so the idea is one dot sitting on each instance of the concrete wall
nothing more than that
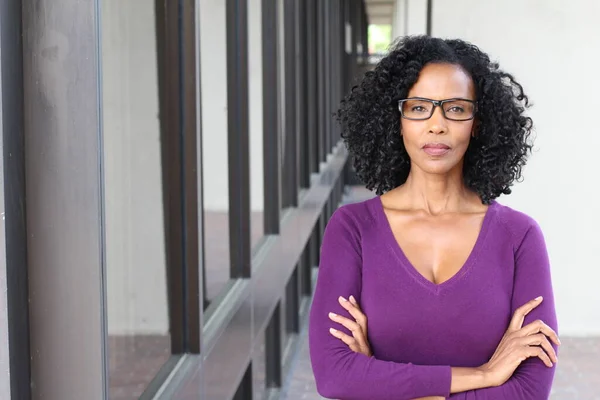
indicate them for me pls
(550, 48)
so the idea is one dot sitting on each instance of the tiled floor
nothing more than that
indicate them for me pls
(133, 363)
(577, 375)
(135, 360)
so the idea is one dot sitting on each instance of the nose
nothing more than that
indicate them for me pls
(438, 123)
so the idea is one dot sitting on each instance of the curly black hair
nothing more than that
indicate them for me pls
(370, 119)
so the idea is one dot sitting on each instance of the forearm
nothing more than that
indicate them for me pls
(532, 381)
(464, 379)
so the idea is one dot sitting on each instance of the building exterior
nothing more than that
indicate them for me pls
(168, 168)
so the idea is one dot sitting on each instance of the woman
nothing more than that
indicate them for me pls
(455, 286)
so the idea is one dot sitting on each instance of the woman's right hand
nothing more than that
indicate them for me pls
(519, 343)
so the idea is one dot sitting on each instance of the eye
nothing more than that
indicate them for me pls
(418, 109)
(456, 110)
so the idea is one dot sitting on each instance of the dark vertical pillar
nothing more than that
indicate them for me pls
(238, 132)
(302, 90)
(312, 48)
(322, 79)
(13, 237)
(270, 116)
(429, 12)
(274, 354)
(290, 181)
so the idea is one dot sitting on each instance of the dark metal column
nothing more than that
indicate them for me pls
(14, 332)
(290, 176)
(238, 132)
(270, 118)
(322, 79)
(311, 84)
(302, 89)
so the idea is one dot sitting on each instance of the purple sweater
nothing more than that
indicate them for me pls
(418, 329)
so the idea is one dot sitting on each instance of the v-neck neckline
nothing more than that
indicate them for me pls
(395, 247)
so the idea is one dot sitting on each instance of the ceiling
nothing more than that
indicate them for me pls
(380, 12)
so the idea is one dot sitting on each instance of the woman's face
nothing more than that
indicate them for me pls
(437, 145)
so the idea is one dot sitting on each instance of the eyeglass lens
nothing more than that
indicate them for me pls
(422, 109)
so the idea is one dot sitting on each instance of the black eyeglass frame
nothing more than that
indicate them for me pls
(437, 103)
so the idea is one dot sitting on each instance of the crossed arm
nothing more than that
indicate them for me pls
(518, 344)
(520, 369)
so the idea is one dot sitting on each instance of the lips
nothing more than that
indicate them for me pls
(436, 149)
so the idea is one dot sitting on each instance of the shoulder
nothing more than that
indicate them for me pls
(354, 218)
(360, 214)
(517, 224)
(346, 230)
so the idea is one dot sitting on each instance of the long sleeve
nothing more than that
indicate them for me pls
(339, 372)
(533, 379)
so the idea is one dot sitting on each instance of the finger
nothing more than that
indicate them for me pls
(516, 322)
(355, 348)
(347, 339)
(541, 340)
(355, 312)
(352, 326)
(354, 302)
(539, 326)
(349, 324)
(538, 352)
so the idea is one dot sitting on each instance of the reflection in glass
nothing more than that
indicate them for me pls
(136, 279)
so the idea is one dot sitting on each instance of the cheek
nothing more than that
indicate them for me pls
(410, 131)
(462, 134)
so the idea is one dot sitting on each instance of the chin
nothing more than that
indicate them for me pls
(438, 167)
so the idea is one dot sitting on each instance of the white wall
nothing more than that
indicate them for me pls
(213, 65)
(416, 23)
(410, 18)
(213, 73)
(135, 248)
(551, 48)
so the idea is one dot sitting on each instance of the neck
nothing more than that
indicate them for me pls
(437, 194)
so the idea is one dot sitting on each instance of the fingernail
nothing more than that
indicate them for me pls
(352, 299)
(539, 298)
(332, 315)
(331, 330)
(343, 299)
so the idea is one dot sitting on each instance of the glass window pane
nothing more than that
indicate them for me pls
(138, 315)
(215, 166)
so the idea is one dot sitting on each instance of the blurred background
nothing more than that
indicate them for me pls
(168, 168)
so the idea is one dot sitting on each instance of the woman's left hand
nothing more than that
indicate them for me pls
(358, 341)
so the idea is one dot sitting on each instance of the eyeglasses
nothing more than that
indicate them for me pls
(419, 109)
